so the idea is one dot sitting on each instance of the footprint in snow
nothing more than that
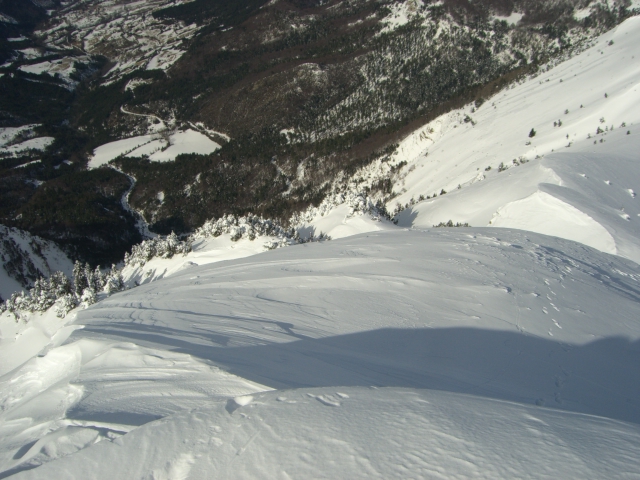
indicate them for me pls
(328, 400)
(235, 403)
(285, 400)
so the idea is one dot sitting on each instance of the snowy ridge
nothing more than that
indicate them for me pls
(446, 311)
(344, 213)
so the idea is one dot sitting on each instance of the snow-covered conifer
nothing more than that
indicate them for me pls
(80, 281)
(65, 304)
(113, 281)
(88, 297)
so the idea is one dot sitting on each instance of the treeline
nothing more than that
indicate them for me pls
(65, 293)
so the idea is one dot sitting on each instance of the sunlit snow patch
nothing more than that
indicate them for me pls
(512, 19)
(544, 213)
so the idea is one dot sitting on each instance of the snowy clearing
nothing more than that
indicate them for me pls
(511, 19)
(188, 141)
(10, 135)
(63, 67)
(105, 153)
(155, 147)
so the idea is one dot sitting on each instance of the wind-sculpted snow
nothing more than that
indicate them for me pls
(456, 324)
(362, 433)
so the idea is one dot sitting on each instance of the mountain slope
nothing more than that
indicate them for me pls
(576, 178)
(326, 87)
(25, 258)
(487, 351)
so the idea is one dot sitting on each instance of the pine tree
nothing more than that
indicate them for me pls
(113, 281)
(98, 280)
(80, 281)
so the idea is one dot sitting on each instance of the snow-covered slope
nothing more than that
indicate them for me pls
(528, 334)
(577, 184)
(471, 352)
(26, 257)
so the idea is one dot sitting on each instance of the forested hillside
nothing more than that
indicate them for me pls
(299, 94)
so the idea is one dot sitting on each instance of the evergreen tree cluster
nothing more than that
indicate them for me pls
(65, 294)
(450, 224)
(252, 227)
(159, 247)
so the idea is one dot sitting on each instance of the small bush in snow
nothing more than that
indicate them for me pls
(450, 224)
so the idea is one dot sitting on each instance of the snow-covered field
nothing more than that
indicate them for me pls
(577, 184)
(62, 68)
(17, 140)
(155, 147)
(9, 135)
(39, 143)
